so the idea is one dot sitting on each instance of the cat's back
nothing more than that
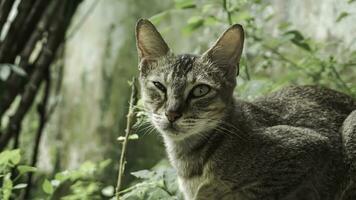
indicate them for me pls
(312, 107)
(325, 97)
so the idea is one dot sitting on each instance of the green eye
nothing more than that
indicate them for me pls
(159, 86)
(200, 90)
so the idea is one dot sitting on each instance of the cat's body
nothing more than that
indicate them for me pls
(291, 145)
(287, 144)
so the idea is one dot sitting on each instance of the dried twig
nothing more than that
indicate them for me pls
(131, 117)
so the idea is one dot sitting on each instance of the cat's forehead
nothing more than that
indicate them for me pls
(182, 68)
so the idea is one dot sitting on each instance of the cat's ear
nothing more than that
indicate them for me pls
(150, 44)
(227, 49)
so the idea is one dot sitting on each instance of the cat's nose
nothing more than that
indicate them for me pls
(172, 116)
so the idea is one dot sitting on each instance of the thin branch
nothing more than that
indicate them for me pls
(5, 9)
(284, 58)
(30, 23)
(338, 77)
(15, 83)
(228, 12)
(42, 64)
(131, 117)
(43, 118)
(7, 53)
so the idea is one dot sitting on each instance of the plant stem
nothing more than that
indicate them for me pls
(131, 117)
(226, 9)
(338, 77)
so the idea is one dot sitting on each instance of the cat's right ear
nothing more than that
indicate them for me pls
(227, 49)
(149, 42)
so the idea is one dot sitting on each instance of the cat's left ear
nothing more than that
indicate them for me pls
(227, 49)
(150, 44)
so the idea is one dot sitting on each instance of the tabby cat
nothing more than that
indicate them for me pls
(294, 144)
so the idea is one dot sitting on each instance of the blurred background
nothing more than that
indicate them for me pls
(65, 67)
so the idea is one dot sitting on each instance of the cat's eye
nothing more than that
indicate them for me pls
(159, 86)
(200, 90)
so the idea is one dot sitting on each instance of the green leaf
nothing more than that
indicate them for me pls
(7, 187)
(131, 137)
(104, 164)
(298, 39)
(18, 70)
(25, 169)
(184, 4)
(5, 72)
(10, 157)
(20, 186)
(156, 19)
(211, 20)
(108, 191)
(208, 7)
(47, 187)
(351, 1)
(16, 156)
(158, 193)
(193, 23)
(342, 16)
(284, 25)
(297, 35)
(144, 174)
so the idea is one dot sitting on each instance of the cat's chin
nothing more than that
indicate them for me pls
(174, 133)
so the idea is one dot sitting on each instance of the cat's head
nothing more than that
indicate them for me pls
(187, 94)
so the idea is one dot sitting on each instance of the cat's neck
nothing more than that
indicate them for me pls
(189, 155)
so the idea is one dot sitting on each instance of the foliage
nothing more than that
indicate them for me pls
(272, 60)
(78, 184)
(11, 172)
(157, 183)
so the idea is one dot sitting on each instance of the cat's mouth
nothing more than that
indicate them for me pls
(172, 128)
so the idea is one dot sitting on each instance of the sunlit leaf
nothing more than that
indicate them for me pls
(208, 7)
(47, 187)
(108, 191)
(193, 23)
(184, 4)
(5, 72)
(25, 169)
(156, 19)
(10, 157)
(104, 163)
(144, 174)
(131, 137)
(211, 20)
(7, 187)
(18, 70)
(20, 186)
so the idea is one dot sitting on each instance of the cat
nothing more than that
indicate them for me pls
(292, 144)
